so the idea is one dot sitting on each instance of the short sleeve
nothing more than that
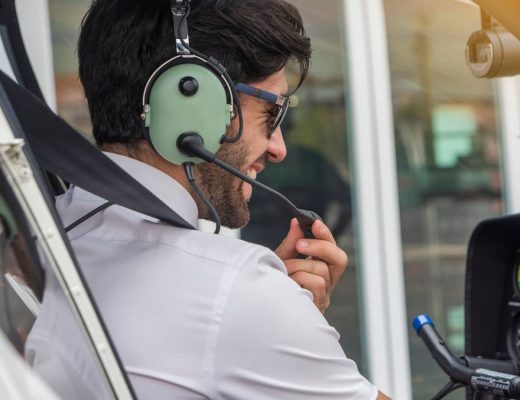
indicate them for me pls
(275, 344)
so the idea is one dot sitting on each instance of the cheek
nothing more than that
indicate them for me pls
(233, 128)
(255, 129)
(256, 143)
(254, 140)
(254, 121)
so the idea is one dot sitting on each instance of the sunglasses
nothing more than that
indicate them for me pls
(278, 112)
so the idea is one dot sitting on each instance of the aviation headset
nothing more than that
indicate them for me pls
(190, 94)
(188, 104)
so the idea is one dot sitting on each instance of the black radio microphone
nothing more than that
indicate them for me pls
(192, 144)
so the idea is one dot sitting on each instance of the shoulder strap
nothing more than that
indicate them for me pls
(62, 151)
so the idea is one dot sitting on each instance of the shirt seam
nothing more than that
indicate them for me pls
(223, 262)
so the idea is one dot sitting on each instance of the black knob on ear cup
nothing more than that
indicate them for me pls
(188, 86)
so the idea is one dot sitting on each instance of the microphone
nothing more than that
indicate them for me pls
(192, 145)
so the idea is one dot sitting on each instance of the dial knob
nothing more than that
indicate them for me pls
(188, 86)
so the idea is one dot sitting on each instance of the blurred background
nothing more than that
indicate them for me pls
(393, 142)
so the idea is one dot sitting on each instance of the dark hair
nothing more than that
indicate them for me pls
(123, 41)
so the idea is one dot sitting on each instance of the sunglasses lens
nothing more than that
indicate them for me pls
(282, 112)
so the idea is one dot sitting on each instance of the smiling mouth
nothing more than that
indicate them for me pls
(252, 173)
(246, 187)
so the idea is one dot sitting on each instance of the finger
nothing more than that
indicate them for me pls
(310, 266)
(322, 250)
(287, 249)
(322, 231)
(316, 285)
(333, 256)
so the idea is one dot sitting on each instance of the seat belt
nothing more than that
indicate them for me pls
(62, 151)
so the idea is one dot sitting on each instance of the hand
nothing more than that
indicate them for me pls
(325, 263)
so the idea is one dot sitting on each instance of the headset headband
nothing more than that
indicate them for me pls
(180, 11)
(189, 58)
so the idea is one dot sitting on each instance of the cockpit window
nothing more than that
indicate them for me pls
(28, 290)
(21, 276)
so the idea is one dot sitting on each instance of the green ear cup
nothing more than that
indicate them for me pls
(171, 113)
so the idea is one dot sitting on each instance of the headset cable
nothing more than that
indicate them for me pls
(188, 169)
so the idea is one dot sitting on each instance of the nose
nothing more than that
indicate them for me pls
(276, 149)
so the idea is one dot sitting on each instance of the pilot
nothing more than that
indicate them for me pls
(195, 315)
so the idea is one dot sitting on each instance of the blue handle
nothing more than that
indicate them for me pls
(420, 321)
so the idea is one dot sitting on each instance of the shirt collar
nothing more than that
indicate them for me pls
(167, 189)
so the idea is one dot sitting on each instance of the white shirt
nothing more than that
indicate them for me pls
(193, 315)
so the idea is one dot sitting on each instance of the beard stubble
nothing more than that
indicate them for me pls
(224, 190)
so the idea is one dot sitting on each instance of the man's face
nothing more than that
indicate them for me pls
(228, 194)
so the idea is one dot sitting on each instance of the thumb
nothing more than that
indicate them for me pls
(287, 248)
